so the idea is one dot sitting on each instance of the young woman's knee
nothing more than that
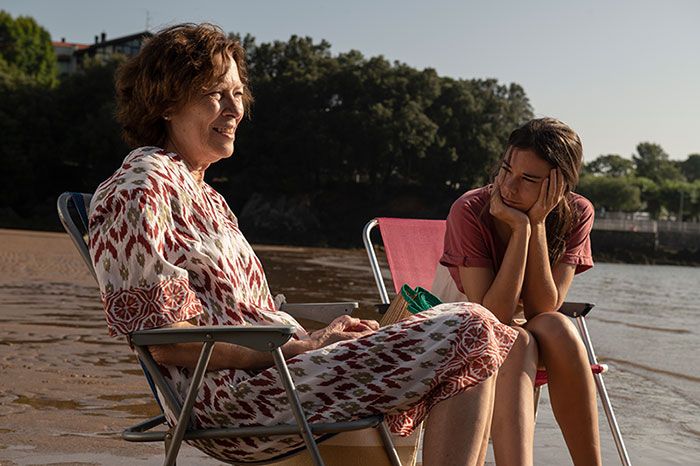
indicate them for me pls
(553, 328)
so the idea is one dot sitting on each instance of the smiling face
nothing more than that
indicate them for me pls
(202, 131)
(521, 175)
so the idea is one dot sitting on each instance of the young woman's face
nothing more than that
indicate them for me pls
(521, 176)
(203, 130)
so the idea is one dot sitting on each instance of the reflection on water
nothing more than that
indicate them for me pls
(43, 403)
(645, 326)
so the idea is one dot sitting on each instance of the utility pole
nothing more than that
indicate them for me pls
(680, 210)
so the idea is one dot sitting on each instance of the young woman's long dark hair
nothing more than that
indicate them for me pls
(558, 144)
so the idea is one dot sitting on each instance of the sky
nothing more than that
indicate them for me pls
(618, 72)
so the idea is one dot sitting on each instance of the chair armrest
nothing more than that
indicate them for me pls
(256, 337)
(320, 312)
(576, 309)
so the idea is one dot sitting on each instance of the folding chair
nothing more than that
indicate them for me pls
(72, 210)
(413, 248)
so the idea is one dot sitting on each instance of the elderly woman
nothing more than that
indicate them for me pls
(168, 252)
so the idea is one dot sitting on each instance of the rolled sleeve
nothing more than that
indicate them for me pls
(134, 247)
(578, 244)
(465, 245)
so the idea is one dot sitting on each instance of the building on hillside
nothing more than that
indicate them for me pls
(71, 56)
(103, 49)
(65, 55)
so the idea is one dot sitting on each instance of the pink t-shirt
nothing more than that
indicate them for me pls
(471, 239)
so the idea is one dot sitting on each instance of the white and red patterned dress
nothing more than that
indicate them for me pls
(168, 249)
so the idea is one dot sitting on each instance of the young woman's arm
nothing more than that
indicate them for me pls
(544, 288)
(500, 292)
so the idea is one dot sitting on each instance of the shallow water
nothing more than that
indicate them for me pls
(646, 328)
(57, 361)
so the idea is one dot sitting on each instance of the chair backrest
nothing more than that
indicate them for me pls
(73, 212)
(413, 249)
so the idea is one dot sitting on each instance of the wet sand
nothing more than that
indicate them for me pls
(67, 389)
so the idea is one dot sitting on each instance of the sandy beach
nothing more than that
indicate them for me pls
(67, 389)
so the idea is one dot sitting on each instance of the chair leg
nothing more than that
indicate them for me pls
(391, 452)
(184, 419)
(168, 442)
(297, 409)
(612, 421)
(603, 393)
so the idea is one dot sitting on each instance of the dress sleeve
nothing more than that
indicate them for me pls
(134, 246)
(578, 244)
(465, 244)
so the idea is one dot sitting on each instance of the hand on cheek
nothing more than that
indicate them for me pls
(512, 217)
(551, 193)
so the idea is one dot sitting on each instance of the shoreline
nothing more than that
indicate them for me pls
(683, 258)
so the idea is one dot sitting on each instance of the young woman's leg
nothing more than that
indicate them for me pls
(456, 428)
(513, 426)
(571, 386)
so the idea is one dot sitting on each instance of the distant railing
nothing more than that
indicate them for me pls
(645, 226)
(683, 227)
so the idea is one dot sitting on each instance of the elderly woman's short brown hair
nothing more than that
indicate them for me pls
(171, 68)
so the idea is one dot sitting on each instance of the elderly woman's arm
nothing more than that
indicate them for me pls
(229, 356)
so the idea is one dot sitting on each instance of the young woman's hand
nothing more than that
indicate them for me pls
(512, 217)
(343, 328)
(551, 193)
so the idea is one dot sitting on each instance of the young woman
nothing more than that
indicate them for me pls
(514, 246)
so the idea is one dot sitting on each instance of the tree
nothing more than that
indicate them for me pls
(610, 165)
(649, 191)
(652, 162)
(325, 120)
(25, 47)
(690, 167)
(674, 195)
(55, 138)
(474, 119)
(615, 194)
(323, 129)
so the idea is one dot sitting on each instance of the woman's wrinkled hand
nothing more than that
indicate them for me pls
(512, 217)
(341, 329)
(551, 194)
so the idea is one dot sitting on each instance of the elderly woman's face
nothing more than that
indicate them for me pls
(203, 130)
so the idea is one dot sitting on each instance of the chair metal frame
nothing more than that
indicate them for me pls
(576, 311)
(72, 210)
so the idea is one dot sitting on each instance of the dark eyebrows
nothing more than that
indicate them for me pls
(525, 175)
(532, 177)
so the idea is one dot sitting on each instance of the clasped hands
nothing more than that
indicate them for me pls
(343, 328)
(551, 193)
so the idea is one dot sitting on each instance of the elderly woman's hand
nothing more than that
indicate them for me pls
(342, 328)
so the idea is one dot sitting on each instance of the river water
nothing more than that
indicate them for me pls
(645, 326)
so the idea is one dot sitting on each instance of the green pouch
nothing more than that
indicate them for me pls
(419, 299)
